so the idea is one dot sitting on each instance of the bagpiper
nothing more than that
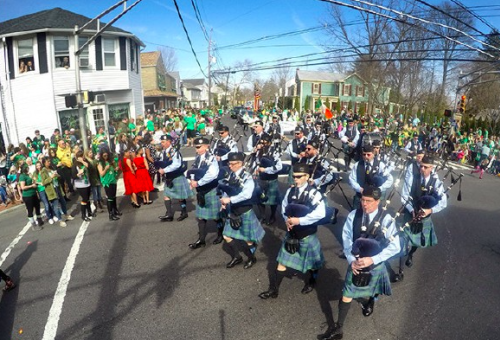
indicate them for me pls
(303, 209)
(241, 224)
(223, 145)
(349, 137)
(369, 239)
(172, 168)
(203, 178)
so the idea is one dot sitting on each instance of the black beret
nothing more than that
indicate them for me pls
(371, 191)
(201, 141)
(368, 148)
(427, 160)
(258, 122)
(301, 167)
(236, 156)
(376, 142)
(266, 137)
(362, 127)
(420, 151)
(314, 143)
(349, 120)
(224, 128)
(299, 129)
(318, 123)
(166, 137)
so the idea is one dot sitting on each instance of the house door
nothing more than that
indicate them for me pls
(96, 117)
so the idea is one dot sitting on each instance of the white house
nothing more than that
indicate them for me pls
(37, 54)
(195, 92)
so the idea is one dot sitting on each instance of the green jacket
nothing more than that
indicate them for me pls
(48, 183)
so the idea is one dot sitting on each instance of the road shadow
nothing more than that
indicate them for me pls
(9, 299)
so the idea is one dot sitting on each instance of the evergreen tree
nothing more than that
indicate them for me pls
(307, 103)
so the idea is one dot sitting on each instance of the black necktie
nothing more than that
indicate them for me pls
(368, 168)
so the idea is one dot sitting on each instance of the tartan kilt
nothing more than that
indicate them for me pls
(379, 283)
(250, 230)
(309, 256)
(181, 189)
(427, 230)
(212, 206)
(272, 191)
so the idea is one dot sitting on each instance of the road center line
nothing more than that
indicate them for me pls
(13, 243)
(57, 304)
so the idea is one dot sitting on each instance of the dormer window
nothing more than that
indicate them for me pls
(25, 55)
(61, 52)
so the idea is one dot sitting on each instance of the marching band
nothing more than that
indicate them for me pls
(229, 183)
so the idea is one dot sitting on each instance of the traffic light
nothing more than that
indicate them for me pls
(461, 107)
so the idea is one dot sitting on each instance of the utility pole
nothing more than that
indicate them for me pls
(78, 50)
(209, 69)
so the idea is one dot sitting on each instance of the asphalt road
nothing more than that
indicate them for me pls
(137, 279)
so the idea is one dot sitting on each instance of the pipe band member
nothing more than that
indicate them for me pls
(258, 131)
(349, 137)
(303, 207)
(369, 171)
(427, 193)
(223, 146)
(176, 185)
(322, 176)
(241, 225)
(369, 238)
(203, 177)
(268, 166)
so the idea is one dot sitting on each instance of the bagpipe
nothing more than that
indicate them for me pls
(233, 188)
(428, 201)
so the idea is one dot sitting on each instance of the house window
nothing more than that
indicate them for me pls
(98, 115)
(133, 57)
(84, 54)
(118, 111)
(316, 88)
(61, 52)
(69, 119)
(25, 55)
(347, 90)
(108, 48)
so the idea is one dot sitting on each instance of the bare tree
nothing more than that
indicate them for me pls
(281, 76)
(241, 74)
(169, 58)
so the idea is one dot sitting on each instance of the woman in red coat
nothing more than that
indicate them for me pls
(143, 181)
(129, 179)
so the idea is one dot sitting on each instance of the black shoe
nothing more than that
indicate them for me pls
(166, 218)
(198, 244)
(182, 217)
(409, 261)
(66, 199)
(398, 277)
(334, 219)
(250, 263)
(218, 239)
(368, 307)
(155, 190)
(113, 217)
(136, 205)
(271, 221)
(271, 293)
(234, 261)
(333, 332)
(308, 287)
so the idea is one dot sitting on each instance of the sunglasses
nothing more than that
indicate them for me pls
(198, 146)
(425, 166)
(298, 176)
(367, 154)
(297, 133)
(221, 133)
(309, 149)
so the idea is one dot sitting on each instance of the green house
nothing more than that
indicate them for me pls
(350, 90)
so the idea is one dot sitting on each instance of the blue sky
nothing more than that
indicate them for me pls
(156, 22)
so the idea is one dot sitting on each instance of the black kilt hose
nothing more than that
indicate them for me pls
(428, 234)
(379, 283)
(309, 256)
(212, 206)
(272, 191)
(250, 231)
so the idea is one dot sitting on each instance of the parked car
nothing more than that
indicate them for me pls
(236, 111)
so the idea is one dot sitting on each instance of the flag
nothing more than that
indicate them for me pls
(318, 104)
(328, 113)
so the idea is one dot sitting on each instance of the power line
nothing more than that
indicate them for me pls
(188, 38)
(198, 17)
(458, 3)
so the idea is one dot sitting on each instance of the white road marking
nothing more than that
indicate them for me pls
(14, 242)
(57, 304)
